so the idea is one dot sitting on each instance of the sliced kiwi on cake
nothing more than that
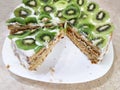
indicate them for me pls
(73, 21)
(22, 12)
(61, 4)
(31, 3)
(91, 7)
(19, 34)
(59, 14)
(86, 30)
(45, 36)
(26, 44)
(101, 16)
(84, 16)
(45, 1)
(104, 29)
(71, 11)
(48, 8)
(100, 41)
(37, 49)
(31, 20)
(34, 31)
(44, 17)
(17, 20)
(80, 2)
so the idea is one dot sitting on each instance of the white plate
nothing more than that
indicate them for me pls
(66, 64)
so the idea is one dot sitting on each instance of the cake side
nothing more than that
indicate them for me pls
(85, 46)
(32, 46)
(38, 58)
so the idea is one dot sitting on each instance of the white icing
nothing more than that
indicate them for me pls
(55, 20)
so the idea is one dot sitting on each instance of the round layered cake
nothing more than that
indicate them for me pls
(37, 25)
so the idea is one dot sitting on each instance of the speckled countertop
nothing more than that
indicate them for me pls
(111, 81)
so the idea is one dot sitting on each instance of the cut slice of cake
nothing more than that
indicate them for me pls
(37, 25)
(32, 46)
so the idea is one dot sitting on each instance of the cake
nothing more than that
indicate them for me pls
(37, 25)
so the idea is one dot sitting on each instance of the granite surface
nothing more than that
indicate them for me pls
(110, 81)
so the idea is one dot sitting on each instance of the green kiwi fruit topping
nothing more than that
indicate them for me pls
(71, 11)
(34, 31)
(44, 17)
(53, 27)
(81, 2)
(26, 44)
(61, 4)
(45, 36)
(18, 20)
(104, 29)
(84, 15)
(48, 8)
(92, 7)
(59, 14)
(22, 12)
(45, 1)
(31, 3)
(102, 16)
(38, 48)
(86, 29)
(100, 41)
(20, 34)
(56, 0)
(29, 20)
(73, 21)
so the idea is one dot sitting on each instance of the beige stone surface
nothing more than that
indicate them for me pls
(111, 81)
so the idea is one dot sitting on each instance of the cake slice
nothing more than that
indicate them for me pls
(32, 46)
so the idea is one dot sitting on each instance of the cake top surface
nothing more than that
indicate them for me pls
(86, 17)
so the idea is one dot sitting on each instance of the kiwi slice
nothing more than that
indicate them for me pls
(84, 15)
(61, 4)
(22, 12)
(45, 1)
(86, 29)
(38, 48)
(31, 3)
(48, 8)
(59, 14)
(52, 27)
(26, 44)
(20, 34)
(45, 36)
(69, 1)
(73, 21)
(44, 17)
(18, 20)
(100, 41)
(71, 11)
(34, 31)
(92, 7)
(104, 29)
(101, 16)
(29, 20)
(80, 2)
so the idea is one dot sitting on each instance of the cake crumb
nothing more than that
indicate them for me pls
(52, 69)
(8, 66)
